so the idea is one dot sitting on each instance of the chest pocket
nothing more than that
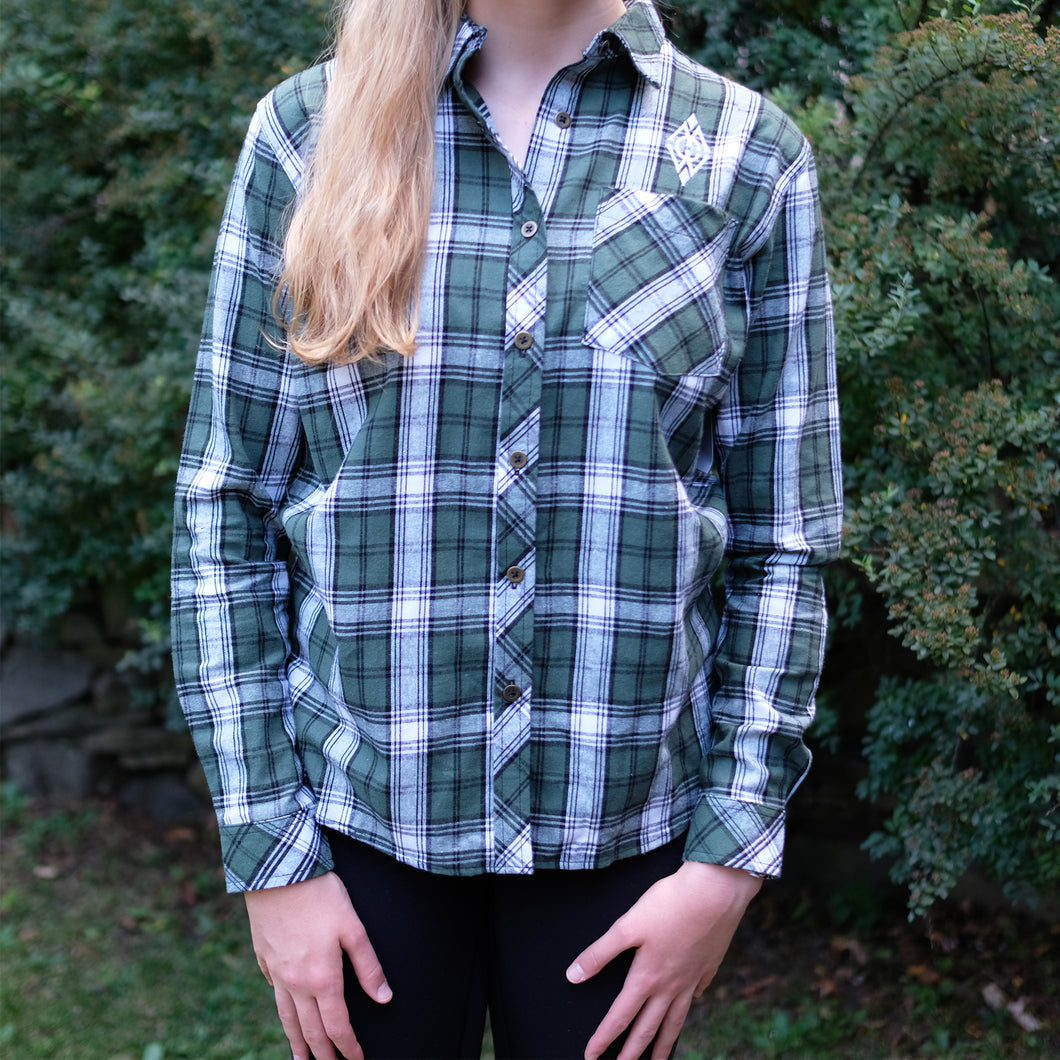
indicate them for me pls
(655, 289)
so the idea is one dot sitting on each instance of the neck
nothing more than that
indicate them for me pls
(529, 40)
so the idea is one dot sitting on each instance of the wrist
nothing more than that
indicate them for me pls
(705, 874)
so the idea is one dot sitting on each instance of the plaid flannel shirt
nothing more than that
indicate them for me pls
(459, 605)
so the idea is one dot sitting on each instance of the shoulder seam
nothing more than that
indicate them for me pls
(288, 116)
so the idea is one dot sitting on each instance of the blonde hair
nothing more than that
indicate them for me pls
(356, 245)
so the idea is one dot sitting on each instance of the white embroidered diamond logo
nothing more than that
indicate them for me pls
(688, 148)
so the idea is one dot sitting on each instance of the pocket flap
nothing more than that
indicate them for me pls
(655, 288)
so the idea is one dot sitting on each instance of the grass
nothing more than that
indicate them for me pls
(118, 943)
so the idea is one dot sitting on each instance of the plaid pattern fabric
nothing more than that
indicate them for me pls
(459, 606)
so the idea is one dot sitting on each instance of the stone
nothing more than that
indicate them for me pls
(34, 682)
(195, 778)
(163, 798)
(116, 608)
(58, 769)
(60, 723)
(140, 748)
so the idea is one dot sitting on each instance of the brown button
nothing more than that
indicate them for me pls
(563, 119)
(524, 340)
(518, 459)
(515, 575)
(529, 229)
(510, 693)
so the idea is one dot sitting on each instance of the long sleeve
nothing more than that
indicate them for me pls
(776, 455)
(230, 576)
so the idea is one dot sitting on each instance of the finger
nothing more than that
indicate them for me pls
(366, 965)
(644, 1029)
(318, 1044)
(315, 1016)
(335, 1018)
(605, 949)
(325, 1018)
(670, 1028)
(292, 1028)
(620, 1015)
(322, 1041)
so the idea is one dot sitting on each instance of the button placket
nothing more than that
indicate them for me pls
(515, 528)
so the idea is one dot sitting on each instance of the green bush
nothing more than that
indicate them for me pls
(121, 125)
(944, 217)
(794, 49)
(936, 135)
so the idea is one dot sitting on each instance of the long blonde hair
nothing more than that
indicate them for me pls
(356, 245)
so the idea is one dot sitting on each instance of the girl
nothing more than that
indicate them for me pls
(519, 326)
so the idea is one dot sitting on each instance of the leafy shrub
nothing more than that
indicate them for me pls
(936, 137)
(799, 50)
(968, 561)
(121, 125)
(947, 321)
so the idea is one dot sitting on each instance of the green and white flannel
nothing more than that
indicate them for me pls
(459, 606)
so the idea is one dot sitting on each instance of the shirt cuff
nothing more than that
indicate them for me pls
(738, 834)
(274, 853)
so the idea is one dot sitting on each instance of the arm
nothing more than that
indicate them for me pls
(230, 623)
(230, 585)
(777, 449)
(776, 440)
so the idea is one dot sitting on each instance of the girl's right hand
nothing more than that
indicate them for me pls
(300, 933)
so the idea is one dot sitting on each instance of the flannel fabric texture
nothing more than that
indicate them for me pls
(462, 606)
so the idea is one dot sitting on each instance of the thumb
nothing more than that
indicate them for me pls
(599, 953)
(366, 964)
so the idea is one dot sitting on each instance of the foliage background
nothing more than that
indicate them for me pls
(936, 132)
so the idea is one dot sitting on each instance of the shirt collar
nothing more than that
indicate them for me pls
(639, 33)
(469, 38)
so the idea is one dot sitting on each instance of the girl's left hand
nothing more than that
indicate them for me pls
(680, 928)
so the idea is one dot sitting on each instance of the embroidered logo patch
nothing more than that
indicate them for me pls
(688, 149)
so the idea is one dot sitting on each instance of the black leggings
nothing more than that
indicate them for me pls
(454, 947)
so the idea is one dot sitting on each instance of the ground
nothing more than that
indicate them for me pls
(118, 943)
